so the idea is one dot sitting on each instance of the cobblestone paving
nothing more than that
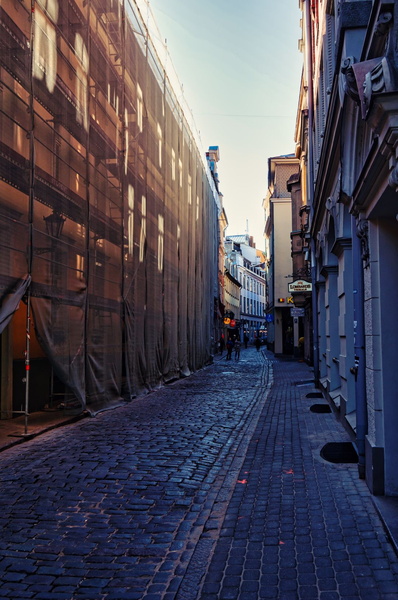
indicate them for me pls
(112, 507)
(209, 489)
(298, 527)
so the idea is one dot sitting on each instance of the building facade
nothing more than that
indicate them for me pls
(283, 330)
(108, 214)
(348, 146)
(247, 265)
(220, 300)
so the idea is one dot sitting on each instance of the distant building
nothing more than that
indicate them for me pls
(283, 330)
(213, 157)
(232, 293)
(247, 265)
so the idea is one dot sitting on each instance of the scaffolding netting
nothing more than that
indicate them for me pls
(108, 217)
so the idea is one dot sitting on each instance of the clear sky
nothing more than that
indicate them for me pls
(240, 68)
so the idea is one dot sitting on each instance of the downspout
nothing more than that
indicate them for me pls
(310, 183)
(359, 348)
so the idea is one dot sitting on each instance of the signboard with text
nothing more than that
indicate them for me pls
(299, 286)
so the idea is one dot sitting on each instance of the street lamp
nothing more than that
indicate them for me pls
(54, 224)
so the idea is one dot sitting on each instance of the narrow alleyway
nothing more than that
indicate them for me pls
(212, 488)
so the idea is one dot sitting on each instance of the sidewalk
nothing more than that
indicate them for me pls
(14, 431)
(301, 525)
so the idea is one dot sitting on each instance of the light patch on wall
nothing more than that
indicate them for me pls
(173, 165)
(81, 81)
(126, 141)
(79, 267)
(143, 229)
(159, 131)
(140, 108)
(160, 242)
(180, 171)
(130, 218)
(45, 43)
(189, 189)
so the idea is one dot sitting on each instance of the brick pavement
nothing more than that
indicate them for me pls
(298, 527)
(211, 488)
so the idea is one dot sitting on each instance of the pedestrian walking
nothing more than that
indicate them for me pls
(237, 349)
(230, 345)
(246, 340)
(257, 343)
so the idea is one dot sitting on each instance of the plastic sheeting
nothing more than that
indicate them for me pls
(105, 201)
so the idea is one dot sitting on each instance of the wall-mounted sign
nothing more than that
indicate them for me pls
(297, 312)
(299, 286)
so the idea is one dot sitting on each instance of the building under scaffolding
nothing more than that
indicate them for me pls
(108, 217)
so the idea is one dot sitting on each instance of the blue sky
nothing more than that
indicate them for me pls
(240, 68)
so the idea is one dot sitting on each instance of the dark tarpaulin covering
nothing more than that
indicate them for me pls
(104, 200)
(10, 301)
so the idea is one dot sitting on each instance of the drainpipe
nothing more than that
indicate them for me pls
(359, 348)
(310, 183)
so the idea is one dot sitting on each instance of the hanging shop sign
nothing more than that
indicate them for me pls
(299, 286)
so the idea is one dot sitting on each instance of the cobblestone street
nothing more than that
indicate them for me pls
(211, 488)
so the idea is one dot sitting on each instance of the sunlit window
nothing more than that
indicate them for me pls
(79, 266)
(126, 140)
(140, 107)
(159, 130)
(81, 81)
(180, 171)
(173, 165)
(143, 228)
(45, 42)
(160, 242)
(189, 189)
(178, 237)
(130, 219)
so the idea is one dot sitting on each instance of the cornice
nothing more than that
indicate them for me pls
(341, 245)
(327, 270)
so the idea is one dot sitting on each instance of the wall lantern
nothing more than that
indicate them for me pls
(54, 224)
